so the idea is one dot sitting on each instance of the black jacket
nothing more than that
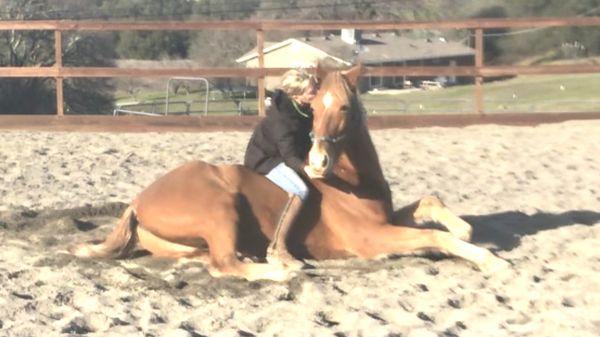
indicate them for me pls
(282, 136)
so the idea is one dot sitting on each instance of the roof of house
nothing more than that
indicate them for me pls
(377, 48)
(270, 46)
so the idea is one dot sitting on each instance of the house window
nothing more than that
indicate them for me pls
(452, 79)
(375, 81)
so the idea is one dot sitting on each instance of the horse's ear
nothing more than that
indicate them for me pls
(353, 74)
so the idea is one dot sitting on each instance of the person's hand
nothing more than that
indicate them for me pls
(311, 173)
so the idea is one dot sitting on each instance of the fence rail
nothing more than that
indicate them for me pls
(478, 71)
(485, 71)
(284, 25)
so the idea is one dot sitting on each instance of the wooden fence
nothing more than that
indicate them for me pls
(478, 71)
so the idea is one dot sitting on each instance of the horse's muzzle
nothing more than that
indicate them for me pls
(319, 159)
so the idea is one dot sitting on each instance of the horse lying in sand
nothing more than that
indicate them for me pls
(232, 210)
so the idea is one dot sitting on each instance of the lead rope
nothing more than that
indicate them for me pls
(298, 110)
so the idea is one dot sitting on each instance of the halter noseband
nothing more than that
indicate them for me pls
(328, 139)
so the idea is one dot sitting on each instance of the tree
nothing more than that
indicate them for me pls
(153, 45)
(150, 44)
(552, 43)
(89, 95)
(220, 48)
(224, 9)
(36, 48)
(492, 49)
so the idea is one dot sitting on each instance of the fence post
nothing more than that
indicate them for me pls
(58, 64)
(260, 42)
(479, 107)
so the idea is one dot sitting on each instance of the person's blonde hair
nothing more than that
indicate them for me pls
(294, 82)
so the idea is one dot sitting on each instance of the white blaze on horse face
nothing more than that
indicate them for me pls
(327, 100)
(318, 159)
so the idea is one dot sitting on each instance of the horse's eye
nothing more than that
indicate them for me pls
(345, 108)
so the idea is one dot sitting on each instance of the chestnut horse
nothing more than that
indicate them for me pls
(231, 210)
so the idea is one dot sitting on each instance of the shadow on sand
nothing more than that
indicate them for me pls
(505, 230)
(56, 230)
(502, 230)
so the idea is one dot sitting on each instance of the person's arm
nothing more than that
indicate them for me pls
(284, 134)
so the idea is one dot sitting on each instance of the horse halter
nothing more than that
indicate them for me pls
(328, 139)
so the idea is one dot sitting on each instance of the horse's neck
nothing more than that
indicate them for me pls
(359, 166)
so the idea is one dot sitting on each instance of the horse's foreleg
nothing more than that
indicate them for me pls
(375, 240)
(432, 208)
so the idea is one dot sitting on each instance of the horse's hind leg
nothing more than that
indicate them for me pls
(230, 265)
(224, 260)
(375, 240)
(432, 208)
(163, 248)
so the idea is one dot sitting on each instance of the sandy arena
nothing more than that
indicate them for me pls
(531, 193)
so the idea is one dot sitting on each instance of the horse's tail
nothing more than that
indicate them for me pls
(118, 243)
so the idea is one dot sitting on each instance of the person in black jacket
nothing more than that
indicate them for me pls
(278, 149)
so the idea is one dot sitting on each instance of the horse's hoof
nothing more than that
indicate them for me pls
(287, 261)
(275, 274)
(280, 275)
(464, 234)
(494, 265)
(294, 265)
(82, 250)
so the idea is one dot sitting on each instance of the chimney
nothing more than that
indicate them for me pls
(350, 35)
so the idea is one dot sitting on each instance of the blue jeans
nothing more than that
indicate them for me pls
(286, 178)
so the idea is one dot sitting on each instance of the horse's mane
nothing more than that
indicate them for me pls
(360, 163)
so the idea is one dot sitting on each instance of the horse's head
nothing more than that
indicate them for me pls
(336, 112)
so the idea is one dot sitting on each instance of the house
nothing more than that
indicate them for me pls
(291, 53)
(376, 49)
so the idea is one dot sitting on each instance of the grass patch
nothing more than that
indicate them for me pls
(192, 103)
(540, 93)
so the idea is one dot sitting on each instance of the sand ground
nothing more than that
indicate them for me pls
(531, 193)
